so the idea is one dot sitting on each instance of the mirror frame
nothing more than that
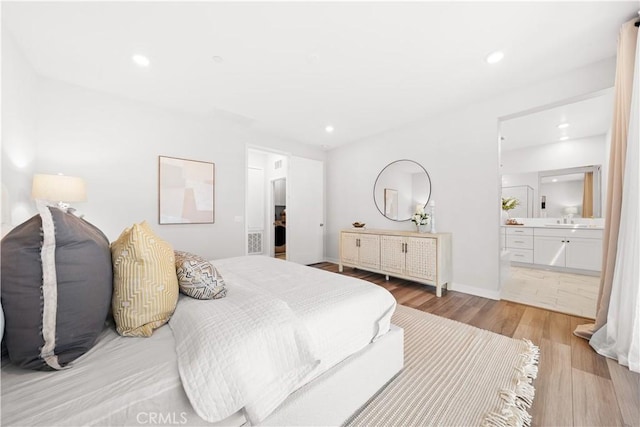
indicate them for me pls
(375, 184)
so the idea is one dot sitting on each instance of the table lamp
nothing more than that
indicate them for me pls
(59, 188)
(570, 211)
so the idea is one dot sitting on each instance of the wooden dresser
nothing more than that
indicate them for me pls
(420, 257)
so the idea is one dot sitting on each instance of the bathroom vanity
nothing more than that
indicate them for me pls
(565, 246)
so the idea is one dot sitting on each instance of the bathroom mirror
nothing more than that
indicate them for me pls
(573, 191)
(570, 191)
(400, 187)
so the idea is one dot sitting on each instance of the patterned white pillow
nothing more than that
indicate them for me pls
(198, 278)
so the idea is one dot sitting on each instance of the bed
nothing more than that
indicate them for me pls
(353, 347)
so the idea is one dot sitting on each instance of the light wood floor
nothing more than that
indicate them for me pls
(569, 293)
(575, 385)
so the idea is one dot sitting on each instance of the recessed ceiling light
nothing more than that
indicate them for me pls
(217, 59)
(563, 125)
(329, 129)
(141, 60)
(564, 138)
(494, 57)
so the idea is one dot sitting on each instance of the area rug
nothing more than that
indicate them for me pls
(454, 375)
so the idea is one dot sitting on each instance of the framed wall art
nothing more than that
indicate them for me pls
(186, 191)
(391, 203)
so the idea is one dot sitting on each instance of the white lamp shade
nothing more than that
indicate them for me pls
(58, 188)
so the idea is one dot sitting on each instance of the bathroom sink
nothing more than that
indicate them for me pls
(571, 226)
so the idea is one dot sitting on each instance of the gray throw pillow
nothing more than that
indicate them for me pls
(56, 289)
(198, 278)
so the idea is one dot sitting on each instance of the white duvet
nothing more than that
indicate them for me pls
(280, 326)
(247, 352)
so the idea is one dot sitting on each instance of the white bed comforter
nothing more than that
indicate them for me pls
(280, 326)
(243, 352)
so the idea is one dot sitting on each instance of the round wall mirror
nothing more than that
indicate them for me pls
(400, 187)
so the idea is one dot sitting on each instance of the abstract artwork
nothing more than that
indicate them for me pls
(186, 191)
(391, 203)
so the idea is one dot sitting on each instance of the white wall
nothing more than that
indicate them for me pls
(114, 143)
(19, 97)
(459, 149)
(557, 155)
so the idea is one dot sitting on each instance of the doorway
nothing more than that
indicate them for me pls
(553, 162)
(284, 206)
(279, 197)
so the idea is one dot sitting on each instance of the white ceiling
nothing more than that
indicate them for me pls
(586, 118)
(291, 68)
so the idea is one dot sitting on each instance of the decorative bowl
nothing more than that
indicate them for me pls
(358, 224)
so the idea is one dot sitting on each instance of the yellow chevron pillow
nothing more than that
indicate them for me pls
(145, 286)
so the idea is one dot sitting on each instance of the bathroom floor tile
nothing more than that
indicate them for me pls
(565, 292)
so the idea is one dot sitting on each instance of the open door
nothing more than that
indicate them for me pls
(279, 192)
(305, 211)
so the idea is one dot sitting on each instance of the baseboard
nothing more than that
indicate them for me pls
(473, 290)
(332, 260)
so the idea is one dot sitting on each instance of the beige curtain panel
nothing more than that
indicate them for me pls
(627, 41)
(587, 197)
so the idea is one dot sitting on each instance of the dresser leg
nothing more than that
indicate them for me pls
(340, 268)
(439, 291)
(386, 277)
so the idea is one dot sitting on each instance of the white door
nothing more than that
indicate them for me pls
(305, 211)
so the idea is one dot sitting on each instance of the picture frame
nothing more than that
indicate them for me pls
(391, 203)
(186, 191)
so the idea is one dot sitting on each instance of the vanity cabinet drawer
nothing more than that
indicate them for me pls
(519, 231)
(519, 242)
(521, 255)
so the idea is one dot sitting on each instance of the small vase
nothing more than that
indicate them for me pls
(504, 217)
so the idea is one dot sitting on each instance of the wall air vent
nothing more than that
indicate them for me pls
(277, 164)
(254, 243)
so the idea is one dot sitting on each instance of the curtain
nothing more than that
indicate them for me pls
(616, 332)
(587, 196)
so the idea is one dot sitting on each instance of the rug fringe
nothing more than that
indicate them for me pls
(520, 399)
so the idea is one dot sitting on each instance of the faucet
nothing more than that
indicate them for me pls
(564, 219)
